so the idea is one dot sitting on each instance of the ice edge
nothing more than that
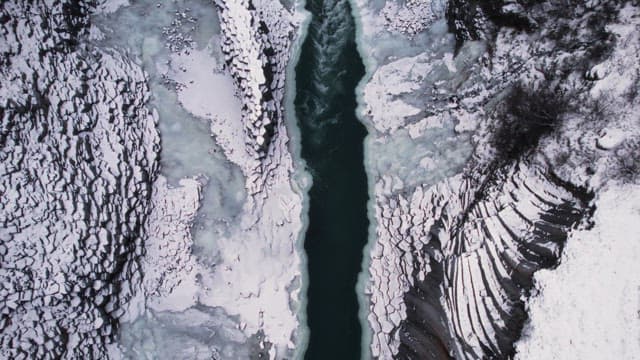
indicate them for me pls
(301, 179)
(363, 277)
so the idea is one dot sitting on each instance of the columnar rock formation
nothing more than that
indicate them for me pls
(79, 155)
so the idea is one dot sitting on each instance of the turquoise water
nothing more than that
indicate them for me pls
(327, 74)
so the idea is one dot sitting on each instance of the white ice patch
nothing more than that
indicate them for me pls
(210, 94)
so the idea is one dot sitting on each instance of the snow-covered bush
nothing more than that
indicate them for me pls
(524, 117)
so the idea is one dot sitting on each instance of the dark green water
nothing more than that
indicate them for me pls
(327, 74)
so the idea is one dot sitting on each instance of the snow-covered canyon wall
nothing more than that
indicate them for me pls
(150, 204)
(79, 156)
(495, 128)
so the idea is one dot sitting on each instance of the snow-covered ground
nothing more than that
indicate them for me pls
(589, 306)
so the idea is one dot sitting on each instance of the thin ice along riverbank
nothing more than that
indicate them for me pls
(327, 73)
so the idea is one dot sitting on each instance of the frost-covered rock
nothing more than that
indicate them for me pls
(79, 154)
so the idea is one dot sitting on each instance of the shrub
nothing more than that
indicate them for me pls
(524, 117)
